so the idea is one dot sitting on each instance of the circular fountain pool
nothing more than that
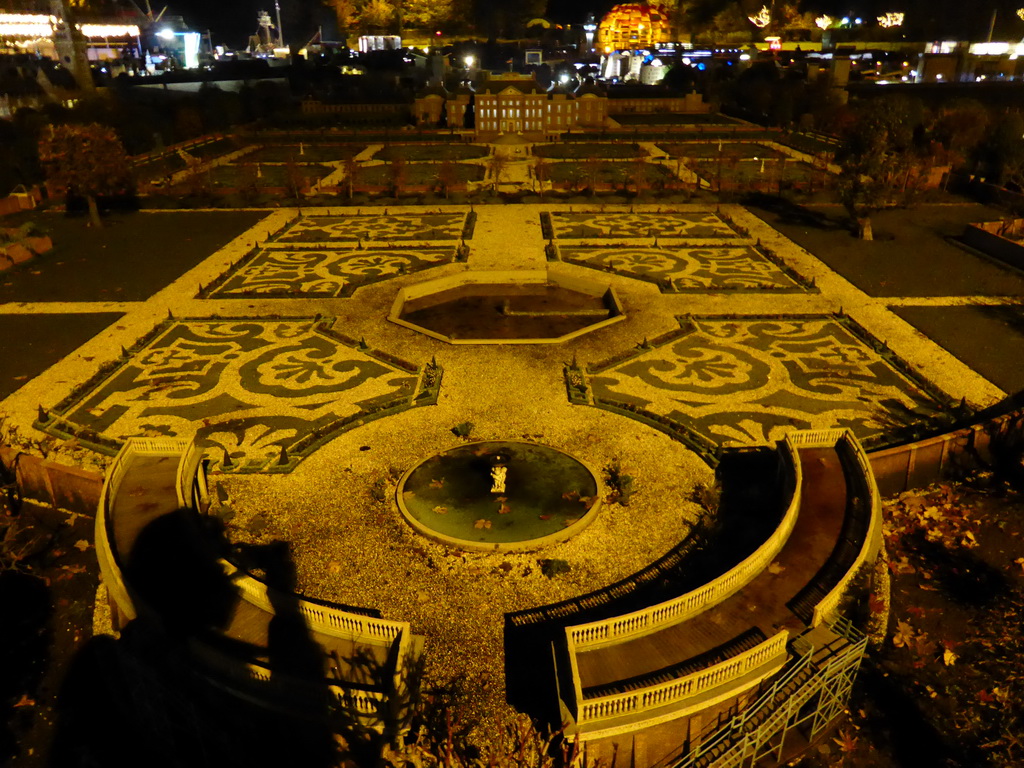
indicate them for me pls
(456, 496)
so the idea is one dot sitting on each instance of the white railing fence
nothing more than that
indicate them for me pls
(661, 615)
(662, 694)
(827, 606)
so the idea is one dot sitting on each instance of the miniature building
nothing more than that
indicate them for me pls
(591, 106)
(627, 99)
(517, 104)
(633, 25)
(429, 106)
(436, 107)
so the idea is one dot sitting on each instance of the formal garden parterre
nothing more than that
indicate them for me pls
(263, 391)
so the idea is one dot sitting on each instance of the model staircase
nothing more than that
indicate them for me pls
(759, 730)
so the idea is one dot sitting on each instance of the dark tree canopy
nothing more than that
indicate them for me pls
(87, 160)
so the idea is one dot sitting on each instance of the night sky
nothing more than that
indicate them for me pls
(232, 21)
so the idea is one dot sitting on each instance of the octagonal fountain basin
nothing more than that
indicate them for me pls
(525, 307)
(456, 496)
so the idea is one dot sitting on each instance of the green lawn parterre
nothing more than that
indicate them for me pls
(665, 118)
(417, 173)
(606, 173)
(767, 171)
(582, 151)
(430, 152)
(738, 149)
(301, 152)
(263, 175)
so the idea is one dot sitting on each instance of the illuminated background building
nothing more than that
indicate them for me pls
(633, 25)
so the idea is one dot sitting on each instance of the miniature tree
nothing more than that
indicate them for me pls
(876, 159)
(250, 180)
(541, 172)
(376, 14)
(637, 175)
(427, 14)
(294, 179)
(397, 172)
(86, 160)
(496, 164)
(352, 170)
(447, 176)
(592, 168)
(345, 13)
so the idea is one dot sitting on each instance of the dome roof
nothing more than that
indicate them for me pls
(634, 25)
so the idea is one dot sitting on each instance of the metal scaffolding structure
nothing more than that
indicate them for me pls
(811, 693)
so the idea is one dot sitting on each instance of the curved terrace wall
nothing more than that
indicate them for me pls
(647, 620)
(322, 619)
(648, 705)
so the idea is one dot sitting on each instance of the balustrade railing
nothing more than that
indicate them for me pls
(828, 605)
(188, 466)
(117, 592)
(662, 694)
(248, 675)
(810, 438)
(646, 620)
(326, 620)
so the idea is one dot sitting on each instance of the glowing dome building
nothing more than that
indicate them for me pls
(633, 25)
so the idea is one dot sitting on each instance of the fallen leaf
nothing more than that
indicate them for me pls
(81, 545)
(949, 658)
(847, 741)
(25, 701)
(440, 510)
(776, 568)
(482, 523)
(903, 635)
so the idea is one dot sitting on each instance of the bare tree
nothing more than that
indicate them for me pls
(447, 176)
(638, 175)
(541, 172)
(496, 165)
(398, 173)
(352, 170)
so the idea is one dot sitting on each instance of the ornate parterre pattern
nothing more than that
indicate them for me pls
(250, 386)
(689, 268)
(316, 272)
(384, 228)
(584, 225)
(748, 380)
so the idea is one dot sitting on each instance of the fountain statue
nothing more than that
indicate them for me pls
(498, 479)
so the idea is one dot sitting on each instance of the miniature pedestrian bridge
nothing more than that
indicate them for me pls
(730, 649)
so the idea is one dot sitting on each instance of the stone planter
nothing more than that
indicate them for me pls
(38, 244)
(16, 252)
